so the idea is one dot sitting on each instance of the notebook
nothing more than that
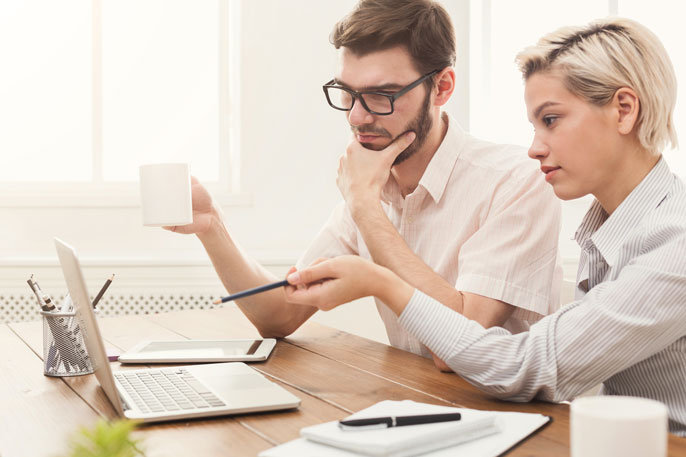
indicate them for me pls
(483, 434)
(162, 394)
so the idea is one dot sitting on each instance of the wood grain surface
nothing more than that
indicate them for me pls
(333, 372)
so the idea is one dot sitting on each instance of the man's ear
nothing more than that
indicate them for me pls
(628, 106)
(445, 86)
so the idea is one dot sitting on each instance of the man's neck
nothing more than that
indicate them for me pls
(408, 174)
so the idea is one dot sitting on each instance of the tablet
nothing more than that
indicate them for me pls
(191, 351)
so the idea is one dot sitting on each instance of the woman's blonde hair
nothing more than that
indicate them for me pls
(596, 60)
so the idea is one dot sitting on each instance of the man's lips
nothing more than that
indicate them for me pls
(367, 138)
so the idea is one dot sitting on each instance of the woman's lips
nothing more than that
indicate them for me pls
(550, 172)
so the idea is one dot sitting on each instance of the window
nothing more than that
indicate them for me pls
(95, 89)
(501, 28)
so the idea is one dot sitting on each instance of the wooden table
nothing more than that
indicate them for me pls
(333, 372)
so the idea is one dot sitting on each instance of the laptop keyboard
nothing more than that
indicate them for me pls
(167, 390)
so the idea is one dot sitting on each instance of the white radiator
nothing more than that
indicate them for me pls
(24, 307)
(139, 287)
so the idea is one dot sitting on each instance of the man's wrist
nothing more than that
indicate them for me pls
(362, 206)
(216, 227)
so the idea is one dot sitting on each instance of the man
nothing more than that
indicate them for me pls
(448, 213)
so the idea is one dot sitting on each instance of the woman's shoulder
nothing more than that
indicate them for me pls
(671, 210)
(665, 226)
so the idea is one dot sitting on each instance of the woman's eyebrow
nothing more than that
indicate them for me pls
(542, 107)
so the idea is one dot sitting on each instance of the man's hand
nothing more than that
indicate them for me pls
(440, 364)
(362, 172)
(203, 211)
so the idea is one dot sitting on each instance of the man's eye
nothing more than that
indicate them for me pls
(548, 120)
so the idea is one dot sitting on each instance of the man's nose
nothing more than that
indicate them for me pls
(358, 115)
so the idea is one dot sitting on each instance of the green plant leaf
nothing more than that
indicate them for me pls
(106, 439)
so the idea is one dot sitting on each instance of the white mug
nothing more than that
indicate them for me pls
(166, 197)
(609, 426)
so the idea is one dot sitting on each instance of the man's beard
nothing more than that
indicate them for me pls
(420, 125)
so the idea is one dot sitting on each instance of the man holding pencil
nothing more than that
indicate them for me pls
(450, 214)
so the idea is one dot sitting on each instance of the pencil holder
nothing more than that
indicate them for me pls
(64, 351)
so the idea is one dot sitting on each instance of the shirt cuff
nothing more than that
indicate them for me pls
(438, 327)
(510, 293)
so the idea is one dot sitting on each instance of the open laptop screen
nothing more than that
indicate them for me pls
(85, 316)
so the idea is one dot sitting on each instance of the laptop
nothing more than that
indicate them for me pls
(164, 394)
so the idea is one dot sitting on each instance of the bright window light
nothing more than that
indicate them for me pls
(92, 89)
(160, 86)
(45, 91)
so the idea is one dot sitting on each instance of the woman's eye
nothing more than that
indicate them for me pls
(548, 120)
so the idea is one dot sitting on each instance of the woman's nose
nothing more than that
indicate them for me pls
(538, 149)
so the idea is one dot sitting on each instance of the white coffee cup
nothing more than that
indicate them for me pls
(609, 426)
(166, 197)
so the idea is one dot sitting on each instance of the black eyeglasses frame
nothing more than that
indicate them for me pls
(391, 97)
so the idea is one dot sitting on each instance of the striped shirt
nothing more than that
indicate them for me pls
(626, 329)
(468, 220)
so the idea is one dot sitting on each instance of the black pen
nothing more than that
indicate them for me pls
(396, 421)
(253, 291)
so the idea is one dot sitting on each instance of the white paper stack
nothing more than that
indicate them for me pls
(477, 433)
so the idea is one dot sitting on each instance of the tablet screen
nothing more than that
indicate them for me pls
(200, 349)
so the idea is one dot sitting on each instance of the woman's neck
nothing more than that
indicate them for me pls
(629, 174)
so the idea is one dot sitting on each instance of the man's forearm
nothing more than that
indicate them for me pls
(269, 312)
(388, 248)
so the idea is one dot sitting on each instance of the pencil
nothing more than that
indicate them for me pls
(102, 291)
(253, 291)
(37, 291)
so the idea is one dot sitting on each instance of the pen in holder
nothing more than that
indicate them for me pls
(64, 351)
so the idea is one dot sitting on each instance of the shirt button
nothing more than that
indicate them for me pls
(410, 220)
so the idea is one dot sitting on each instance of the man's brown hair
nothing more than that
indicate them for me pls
(422, 26)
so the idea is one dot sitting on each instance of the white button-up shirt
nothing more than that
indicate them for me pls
(482, 217)
(627, 329)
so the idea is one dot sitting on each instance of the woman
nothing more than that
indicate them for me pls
(601, 99)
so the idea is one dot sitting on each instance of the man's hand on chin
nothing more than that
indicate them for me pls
(362, 172)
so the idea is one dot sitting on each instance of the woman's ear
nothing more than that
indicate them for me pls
(628, 107)
(445, 86)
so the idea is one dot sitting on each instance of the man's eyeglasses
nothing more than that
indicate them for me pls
(342, 98)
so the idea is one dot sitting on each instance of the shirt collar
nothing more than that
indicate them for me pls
(608, 233)
(437, 173)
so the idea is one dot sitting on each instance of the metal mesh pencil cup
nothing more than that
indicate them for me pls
(64, 350)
